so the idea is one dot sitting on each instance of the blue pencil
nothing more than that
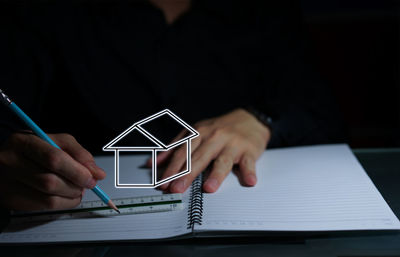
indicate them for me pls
(40, 133)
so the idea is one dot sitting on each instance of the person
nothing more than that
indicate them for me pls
(240, 73)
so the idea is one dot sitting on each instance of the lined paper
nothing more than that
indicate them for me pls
(314, 188)
(124, 227)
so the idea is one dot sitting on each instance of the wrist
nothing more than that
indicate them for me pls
(265, 119)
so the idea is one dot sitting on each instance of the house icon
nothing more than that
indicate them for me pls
(151, 129)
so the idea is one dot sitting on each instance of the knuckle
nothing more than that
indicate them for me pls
(198, 139)
(51, 202)
(238, 141)
(67, 137)
(196, 157)
(15, 137)
(255, 150)
(224, 160)
(54, 159)
(218, 133)
(201, 132)
(8, 159)
(64, 138)
(245, 144)
(86, 155)
(19, 139)
(248, 148)
(76, 193)
(199, 125)
(202, 128)
(179, 154)
(247, 160)
(191, 176)
(49, 183)
(20, 136)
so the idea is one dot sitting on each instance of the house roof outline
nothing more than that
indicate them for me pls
(160, 146)
(156, 141)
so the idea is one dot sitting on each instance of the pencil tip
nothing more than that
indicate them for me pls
(112, 205)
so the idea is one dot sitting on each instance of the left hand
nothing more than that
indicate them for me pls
(236, 138)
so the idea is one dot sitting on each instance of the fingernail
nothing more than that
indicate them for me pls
(91, 183)
(251, 180)
(212, 184)
(178, 186)
(83, 192)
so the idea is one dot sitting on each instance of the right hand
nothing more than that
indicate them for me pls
(37, 176)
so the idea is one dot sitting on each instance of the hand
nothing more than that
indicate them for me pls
(35, 175)
(236, 138)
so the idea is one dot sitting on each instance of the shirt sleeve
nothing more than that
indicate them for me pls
(301, 105)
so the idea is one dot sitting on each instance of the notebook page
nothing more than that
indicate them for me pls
(124, 227)
(314, 188)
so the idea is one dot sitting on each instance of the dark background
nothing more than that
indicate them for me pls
(357, 49)
(357, 45)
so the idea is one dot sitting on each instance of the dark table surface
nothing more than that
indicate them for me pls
(382, 165)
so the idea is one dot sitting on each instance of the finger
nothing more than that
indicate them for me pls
(52, 184)
(69, 144)
(178, 160)
(56, 161)
(32, 175)
(221, 167)
(202, 156)
(14, 164)
(16, 196)
(247, 166)
(162, 157)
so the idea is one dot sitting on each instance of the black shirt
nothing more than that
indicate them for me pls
(92, 69)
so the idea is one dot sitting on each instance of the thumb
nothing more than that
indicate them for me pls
(69, 144)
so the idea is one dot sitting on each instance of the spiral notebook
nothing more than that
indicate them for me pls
(300, 189)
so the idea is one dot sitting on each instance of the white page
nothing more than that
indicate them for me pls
(314, 188)
(124, 227)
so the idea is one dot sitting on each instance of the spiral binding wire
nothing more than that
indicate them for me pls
(195, 210)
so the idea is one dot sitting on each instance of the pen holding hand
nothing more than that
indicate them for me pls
(45, 172)
(35, 175)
